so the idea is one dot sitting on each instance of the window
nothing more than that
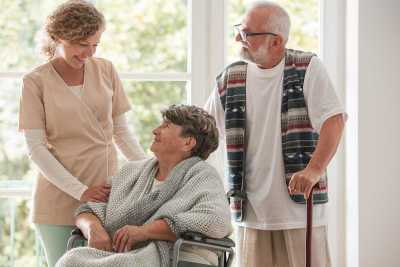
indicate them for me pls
(149, 37)
(165, 52)
(147, 40)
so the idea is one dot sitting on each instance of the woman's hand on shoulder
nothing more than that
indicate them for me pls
(98, 193)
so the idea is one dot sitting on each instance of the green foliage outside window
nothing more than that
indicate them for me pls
(141, 36)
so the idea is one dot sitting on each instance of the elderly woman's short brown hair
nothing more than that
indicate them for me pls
(196, 123)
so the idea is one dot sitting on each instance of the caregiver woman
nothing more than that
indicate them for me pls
(71, 108)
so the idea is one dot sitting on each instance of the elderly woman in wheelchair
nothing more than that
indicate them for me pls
(158, 200)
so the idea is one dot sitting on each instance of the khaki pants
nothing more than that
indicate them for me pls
(282, 248)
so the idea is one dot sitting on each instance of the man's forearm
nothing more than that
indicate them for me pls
(87, 221)
(330, 135)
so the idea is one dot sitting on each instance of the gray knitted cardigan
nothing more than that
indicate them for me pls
(191, 199)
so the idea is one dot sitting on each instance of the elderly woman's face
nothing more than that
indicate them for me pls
(168, 140)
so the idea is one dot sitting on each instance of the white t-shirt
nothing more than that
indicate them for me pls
(77, 90)
(269, 206)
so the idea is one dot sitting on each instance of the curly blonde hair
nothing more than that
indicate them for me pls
(74, 20)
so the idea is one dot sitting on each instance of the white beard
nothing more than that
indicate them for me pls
(258, 57)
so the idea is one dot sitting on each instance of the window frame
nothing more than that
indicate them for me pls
(197, 77)
(207, 38)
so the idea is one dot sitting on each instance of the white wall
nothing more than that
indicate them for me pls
(379, 128)
(376, 67)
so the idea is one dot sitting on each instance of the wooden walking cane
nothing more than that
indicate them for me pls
(309, 228)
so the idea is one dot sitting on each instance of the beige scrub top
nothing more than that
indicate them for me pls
(79, 131)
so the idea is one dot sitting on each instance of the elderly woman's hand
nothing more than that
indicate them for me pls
(126, 237)
(99, 238)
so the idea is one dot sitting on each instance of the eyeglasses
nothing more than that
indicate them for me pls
(244, 35)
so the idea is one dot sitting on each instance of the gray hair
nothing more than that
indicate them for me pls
(278, 22)
(196, 123)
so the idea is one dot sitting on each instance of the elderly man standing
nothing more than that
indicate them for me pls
(282, 122)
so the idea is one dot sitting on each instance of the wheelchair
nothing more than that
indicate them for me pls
(223, 248)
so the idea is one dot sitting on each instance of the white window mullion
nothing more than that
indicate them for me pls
(206, 46)
(351, 11)
(332, 46)
(156, 76)
(197, 51)
(217, 40)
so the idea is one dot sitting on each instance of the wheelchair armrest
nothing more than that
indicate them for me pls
(76, 235)
(223, 247)
(198, 237)
(76, 231)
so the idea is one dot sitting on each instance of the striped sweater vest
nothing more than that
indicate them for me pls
(299, 139)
